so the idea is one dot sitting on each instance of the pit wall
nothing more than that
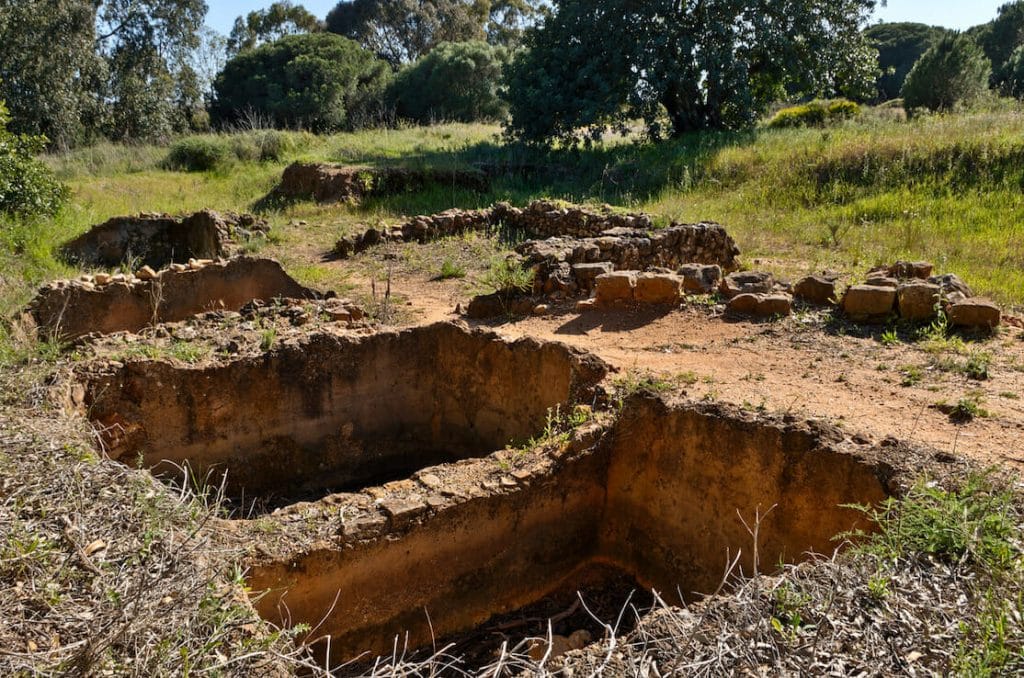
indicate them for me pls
(338, 411)
(480, 557)
(680, 480)
(69, 309)
(656, 495)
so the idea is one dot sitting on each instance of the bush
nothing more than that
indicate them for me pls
(456, 81)
(198, 154)
(318, 81)
(815, 114)
(27, 186)
(952, 73)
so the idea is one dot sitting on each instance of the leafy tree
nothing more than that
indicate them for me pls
(401, 31)
(318, 80)
(456, 81)
(266, 25)
(953, 72)
(509, 19)
(899, 47)
(49, 68)
(1014, 74)
(702, 64)
(1000, 37)
(148, 45)
(27, 186)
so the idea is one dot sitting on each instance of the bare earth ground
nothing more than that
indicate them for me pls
(807, 365)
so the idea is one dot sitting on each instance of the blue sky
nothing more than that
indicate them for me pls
(958, 14)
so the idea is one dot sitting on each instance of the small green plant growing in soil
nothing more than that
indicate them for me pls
(977, 366)
(508, 275)
(890, 338)
(451, 270)
(912, 375)
(268, 338)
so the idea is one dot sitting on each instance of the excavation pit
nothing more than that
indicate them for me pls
(334, 412)
(664, 494)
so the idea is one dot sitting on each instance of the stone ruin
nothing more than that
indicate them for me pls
(157, 240)
(103, 303)
(327, 183)
(383, 458)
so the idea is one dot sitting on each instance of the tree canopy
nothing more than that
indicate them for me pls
(1000, 37)
(456, 81)
(953, 72)
(270, 24)
(899, 47)
(702, 65)
(318, 81)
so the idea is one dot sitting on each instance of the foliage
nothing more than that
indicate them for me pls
(1000, 38)
(197, 154)
(79, 69)
(402, 31)
(977, 522)
(270, 24)
(815, 113)
(319, 81)
(508, 20)
(456, 81)
(1013, 74)
(705, 65)
(899, 47)
(508, 275)
(49, 67)
(952, 73)
(27, 186)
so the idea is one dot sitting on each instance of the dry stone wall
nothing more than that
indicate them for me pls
(326, 183)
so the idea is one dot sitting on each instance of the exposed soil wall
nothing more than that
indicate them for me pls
(656, 495)
(682, 481)
(327, 183)
(70, 309)
(482, 557)
(334, 412)
(157, 240)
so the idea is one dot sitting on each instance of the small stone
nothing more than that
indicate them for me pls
(402, 508)
(920, 270)
(430, 480)
(179, 268)
(816, 289)
(747, 282)
(882, 280)
(102, 278)
(541, 309)
(865, 303)
(745, 304)
(146, 273)
(586, 274)
(508, 482)
(771, 305)
(975, 313)
(951, 283)
(700, 278)
(586, 305)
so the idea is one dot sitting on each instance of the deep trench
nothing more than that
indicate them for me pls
(665, 498)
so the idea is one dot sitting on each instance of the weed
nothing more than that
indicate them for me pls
(450, 270)
(976, 522)
(977, 366)
(189, 352)
(912, 375)
(508, 275)
(890, 338)
(268, 338)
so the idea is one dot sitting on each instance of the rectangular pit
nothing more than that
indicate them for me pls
(336, 412)
(662, 495)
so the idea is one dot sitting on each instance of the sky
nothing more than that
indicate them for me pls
(959, 14)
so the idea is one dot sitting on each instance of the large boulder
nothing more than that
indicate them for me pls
(761, 305)
(868, 303)
(586, 274)
(918, 300)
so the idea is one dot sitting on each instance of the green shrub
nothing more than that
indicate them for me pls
(198, 154)
(27, 186)
(455, 81)
(815, 114)
(952, 73)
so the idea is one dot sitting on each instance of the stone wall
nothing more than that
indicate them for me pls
(104, 303)
(157, 240)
